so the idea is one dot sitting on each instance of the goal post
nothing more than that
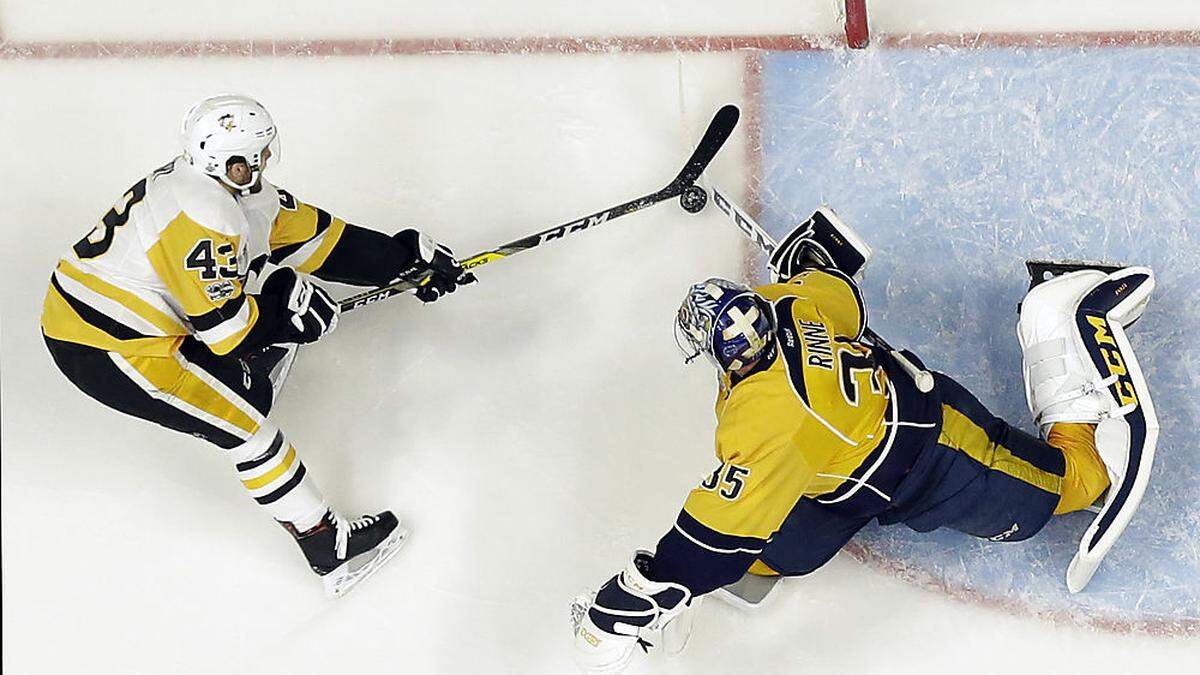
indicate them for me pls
(858, 34)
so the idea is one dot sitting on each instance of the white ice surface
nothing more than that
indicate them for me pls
(1030, 16)
(281, 19)
(532, 430)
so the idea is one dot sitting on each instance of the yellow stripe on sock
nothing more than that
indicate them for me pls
(266, 478)
(960, 433)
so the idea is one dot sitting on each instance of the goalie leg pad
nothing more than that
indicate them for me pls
(1080, 367)
(1067, 343)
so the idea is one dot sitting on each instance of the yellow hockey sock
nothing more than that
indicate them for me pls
(1085, 478)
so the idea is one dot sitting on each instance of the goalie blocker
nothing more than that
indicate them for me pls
(821, 241)
(1079, 367)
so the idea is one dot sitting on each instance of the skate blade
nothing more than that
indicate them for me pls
(356, 570)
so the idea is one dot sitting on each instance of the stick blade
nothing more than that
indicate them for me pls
(719, 130)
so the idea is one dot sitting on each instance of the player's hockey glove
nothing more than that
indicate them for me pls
(822, 241)
(437, 260)
(628, 610)
(306, 312)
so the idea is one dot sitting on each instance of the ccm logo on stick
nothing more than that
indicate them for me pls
(581, 224)
(742, 221)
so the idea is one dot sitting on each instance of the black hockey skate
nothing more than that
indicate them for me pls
(1045, 270)
(345, 552)
(1041, 271)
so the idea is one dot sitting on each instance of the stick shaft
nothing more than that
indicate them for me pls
(718, 131)
(524, 244)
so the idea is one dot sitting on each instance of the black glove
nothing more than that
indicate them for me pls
(437, 260)
(306, 312)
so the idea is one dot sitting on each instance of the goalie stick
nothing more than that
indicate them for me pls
(750, 227)
(719, 130)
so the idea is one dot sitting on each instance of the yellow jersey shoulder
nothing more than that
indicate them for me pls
(198, 198)
(827, 297)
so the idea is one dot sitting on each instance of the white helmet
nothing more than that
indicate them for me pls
(230, 125)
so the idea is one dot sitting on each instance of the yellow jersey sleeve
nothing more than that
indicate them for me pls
(825, 296)
(303, 235)
(200, 268)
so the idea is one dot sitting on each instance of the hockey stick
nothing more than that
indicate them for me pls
(718, 132)
(750, 227)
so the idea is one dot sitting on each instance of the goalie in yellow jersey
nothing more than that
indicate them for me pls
(819, 432)
(186, 302)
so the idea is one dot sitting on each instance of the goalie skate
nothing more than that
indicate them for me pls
(1044, 270)
(1080, 367)
(749, 592)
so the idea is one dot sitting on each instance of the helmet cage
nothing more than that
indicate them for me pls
(727, 322)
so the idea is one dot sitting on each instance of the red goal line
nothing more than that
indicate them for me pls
(857, 35)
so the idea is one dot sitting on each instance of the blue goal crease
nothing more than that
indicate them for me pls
(959, 165)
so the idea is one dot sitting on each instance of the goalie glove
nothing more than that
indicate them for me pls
(628, 611)
(432, 258)
(822, 241)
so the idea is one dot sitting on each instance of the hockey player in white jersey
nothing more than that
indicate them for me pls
(185, 303)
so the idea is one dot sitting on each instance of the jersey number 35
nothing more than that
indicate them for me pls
(728, 480)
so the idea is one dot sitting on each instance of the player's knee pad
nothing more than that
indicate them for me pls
(274, 361)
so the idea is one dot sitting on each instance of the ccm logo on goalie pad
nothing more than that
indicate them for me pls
(1110, 357)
